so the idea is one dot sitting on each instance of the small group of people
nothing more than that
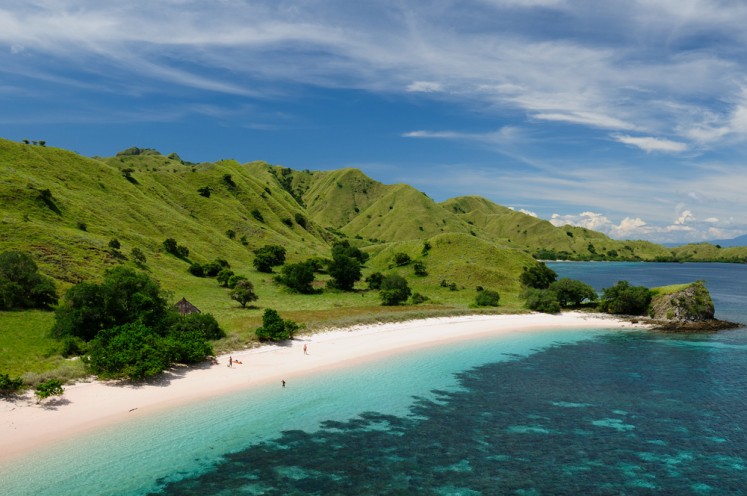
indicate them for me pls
(231, 361)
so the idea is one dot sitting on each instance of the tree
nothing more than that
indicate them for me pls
(243, 292)
(571, 292)
(624, 299)
(114, 244)
(124, 296)
(487, 298)
(538, 276)
(394, 290)
(196, 269)
(345, 248)
(267, 257)
(274, 328)
(542, 300)
(203, 323)
(223, 276)
(374, 280)
(345, 271)
(131, 351)
(21, 285)
(419, 268)
(401, 259)
(298, 277)
(51, 387)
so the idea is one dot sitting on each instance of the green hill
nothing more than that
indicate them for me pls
(65, 209)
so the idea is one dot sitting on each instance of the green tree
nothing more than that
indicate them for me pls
(234, 280)
(624, 299)
(401, 259)
(223, 276)
(186, 346)
(114, 244)
(131, 351)
(267, 257)
(538, 276)
(542, 300)
(345, 248)
(21, 285)
(487, 298)
(274, 328)
(124, 296)
(394, 290)
(202, 323)
(298, 277)
(419, 268)
(374, 280)
(243, 292)
(571, 293)
(345, 271)
(51, 387)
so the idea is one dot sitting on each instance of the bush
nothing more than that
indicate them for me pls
(202, 323)
(542, 300)
(374, 280)
(223, 276)
(52, 387)
(571, 293)
(196, 270)
(298, 277)
(487, 298)
(624, 299)
(417, 299)
(267, 257)
(171, 246)
(9, 385)
(133, 351)
(187, 347)
(344, 248)
(300, 220)
(257, 215)
(234, 280)
(21, 285)
(205, 191)
(114, 244)
(213, 268)
(401, 259)
(394, 290)
(275, 328)
(345, 271)
(419, 268)
(538, 276)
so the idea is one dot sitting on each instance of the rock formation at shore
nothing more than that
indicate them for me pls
(686, 309)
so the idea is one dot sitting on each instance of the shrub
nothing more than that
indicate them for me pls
(300, 220)
(205, 191)
(234, 280)
(345, 271)
(231, 233)
(394, 290)
(419, 268)
(223, 276)
(82, 226)
(257, 215)
(114, 244)
(228, 181)
(52, 387)
(374, 280)
(298, 277)
(625, 299)
(401, 259)
(571, 293)
(267, 257)
(487, 298)
(203, 323)
(196, 270)
(542, 300)
(133, 351)
(274, 328)
(417, 299)
(9, 385)
(213, 268)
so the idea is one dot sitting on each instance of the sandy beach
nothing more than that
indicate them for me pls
(86, 406)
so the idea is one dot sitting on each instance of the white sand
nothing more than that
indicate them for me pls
(26, 425)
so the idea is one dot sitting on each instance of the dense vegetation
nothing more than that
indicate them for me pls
(239, 239)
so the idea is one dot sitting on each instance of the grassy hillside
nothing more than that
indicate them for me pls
(64, 209)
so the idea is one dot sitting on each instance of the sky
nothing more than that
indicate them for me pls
(627, 117)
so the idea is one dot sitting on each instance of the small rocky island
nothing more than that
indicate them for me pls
(685, 308)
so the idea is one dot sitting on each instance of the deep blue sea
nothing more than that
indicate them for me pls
(568, 412)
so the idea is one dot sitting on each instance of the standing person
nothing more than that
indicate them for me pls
(305, 350)
(230, 361)
(283, 381)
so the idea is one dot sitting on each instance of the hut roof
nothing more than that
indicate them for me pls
(185, 307)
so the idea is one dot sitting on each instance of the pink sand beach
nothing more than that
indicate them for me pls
(86, 406)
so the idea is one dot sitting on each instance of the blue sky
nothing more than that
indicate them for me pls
(627, 117)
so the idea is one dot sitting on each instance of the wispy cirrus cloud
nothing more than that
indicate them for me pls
(651, 144)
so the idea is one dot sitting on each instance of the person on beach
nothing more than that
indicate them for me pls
(305, 350)
(283, 381)
(230, 361)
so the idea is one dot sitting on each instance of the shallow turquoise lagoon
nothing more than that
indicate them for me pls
(565, 412)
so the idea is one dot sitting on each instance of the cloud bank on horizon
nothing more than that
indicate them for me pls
(627, 117)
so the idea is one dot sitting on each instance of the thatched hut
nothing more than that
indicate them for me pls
(186, 308)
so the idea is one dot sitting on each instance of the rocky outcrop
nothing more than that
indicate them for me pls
(686, 309)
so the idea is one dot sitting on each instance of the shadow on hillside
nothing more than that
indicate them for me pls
(54, 403)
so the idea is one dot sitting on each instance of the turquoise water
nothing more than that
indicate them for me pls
(567, 412)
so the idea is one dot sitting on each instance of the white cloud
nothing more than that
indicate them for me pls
(525, 211)
(506, 134)
(650, 144)
(424, 87)
(684, 217)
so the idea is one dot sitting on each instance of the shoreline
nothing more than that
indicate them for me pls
(87, 406)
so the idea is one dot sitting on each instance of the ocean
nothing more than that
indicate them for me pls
(568, 412)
